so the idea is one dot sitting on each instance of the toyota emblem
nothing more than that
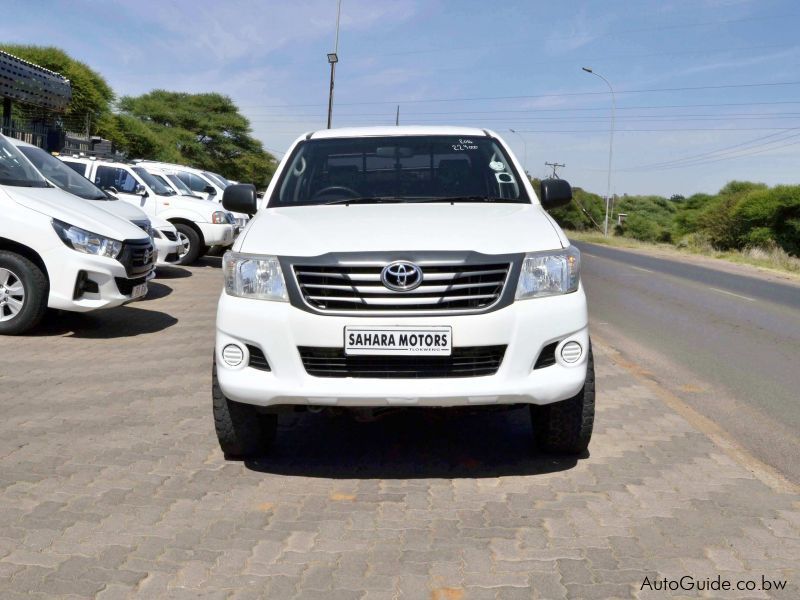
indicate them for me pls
(401, 276)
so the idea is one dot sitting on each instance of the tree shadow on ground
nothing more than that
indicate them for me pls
(415, 443)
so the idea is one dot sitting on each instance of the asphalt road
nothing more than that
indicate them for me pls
(726, 344)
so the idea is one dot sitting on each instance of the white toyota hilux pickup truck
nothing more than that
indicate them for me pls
(401, 266)
(59, 251)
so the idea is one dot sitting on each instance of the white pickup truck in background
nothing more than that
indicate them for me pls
(200, 223)
(59, 251)
(163, 233)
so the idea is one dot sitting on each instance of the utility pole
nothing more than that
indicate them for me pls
(397, 116)
(555, 166)
(333, 58)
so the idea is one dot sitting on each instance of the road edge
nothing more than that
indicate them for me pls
(768, 475)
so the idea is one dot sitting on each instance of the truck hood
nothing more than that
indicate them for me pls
(122, 209)
(486, 228)
(58, 204)
(204, 208)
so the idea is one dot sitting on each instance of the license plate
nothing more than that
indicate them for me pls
(139, 290)
(398, 341)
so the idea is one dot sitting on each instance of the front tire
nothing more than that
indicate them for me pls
(189, 244)
(23, 294)
(566, 427)
(242, 431)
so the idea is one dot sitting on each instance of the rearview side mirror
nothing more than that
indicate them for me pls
(241, 198)
(210, 190)
(554, 192)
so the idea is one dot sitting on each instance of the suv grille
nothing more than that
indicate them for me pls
(474, 361)
(469, 287)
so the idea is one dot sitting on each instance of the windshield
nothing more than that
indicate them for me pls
(15, 170)
(179, 185)
(431, 168)
(218, 179)
(61, 175)
(159, 187)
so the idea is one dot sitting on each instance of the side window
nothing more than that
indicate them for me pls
(193, 181)
(79, 168)
(115, 177)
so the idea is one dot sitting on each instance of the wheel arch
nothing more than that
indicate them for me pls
(190, 223)
(26, 251)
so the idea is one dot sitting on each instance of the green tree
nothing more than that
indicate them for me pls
(92, 97)
(203, 130)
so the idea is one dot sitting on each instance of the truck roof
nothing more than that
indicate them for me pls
(395, 130)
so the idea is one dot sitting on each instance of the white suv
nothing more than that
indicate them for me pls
(59, 251)
(401, 266)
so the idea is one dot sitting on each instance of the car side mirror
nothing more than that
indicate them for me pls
(210, 190)
(554, 192)
(111, 189)
(139, 190)
(241, 198)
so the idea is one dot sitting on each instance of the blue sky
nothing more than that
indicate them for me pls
(706, 119)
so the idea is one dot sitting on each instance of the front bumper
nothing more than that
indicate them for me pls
(217, 234)
(64, 268)
(526, 327)
(166, 251)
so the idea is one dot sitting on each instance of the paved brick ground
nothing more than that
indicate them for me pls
(112, 485)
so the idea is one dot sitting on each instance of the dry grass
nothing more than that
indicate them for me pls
(775, 259)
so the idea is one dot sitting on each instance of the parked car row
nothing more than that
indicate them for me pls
(80, 234)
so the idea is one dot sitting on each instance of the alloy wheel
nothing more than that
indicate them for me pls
(183, 244)
(12, 294)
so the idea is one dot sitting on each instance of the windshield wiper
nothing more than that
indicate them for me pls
(461, 199)
(366, 200)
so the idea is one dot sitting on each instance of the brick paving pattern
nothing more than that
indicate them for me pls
(112, 485)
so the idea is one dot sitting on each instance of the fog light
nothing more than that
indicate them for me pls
(232, 355)
(571, 352)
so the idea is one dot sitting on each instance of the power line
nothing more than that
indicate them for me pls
(538, 110)
(723, 150)
(555, 166)
(561, 95)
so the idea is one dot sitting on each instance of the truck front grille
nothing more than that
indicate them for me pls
(456, 288)
(137, 257)
(468, 361)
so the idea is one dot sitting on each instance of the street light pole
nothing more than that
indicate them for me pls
(333, 58)
(524, 150)
(610, 143)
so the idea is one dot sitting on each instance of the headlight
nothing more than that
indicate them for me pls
(549, 274)
(219, 217)
(253, 276)
(155, 233)
(86, 241)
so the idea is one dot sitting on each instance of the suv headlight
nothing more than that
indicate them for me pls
(254, 276)
(219, 217)
(549, 274)
(86, 241)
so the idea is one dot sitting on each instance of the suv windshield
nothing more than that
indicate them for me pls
(61, 175)
(15, 170)
(430, 168)
(159, 187)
